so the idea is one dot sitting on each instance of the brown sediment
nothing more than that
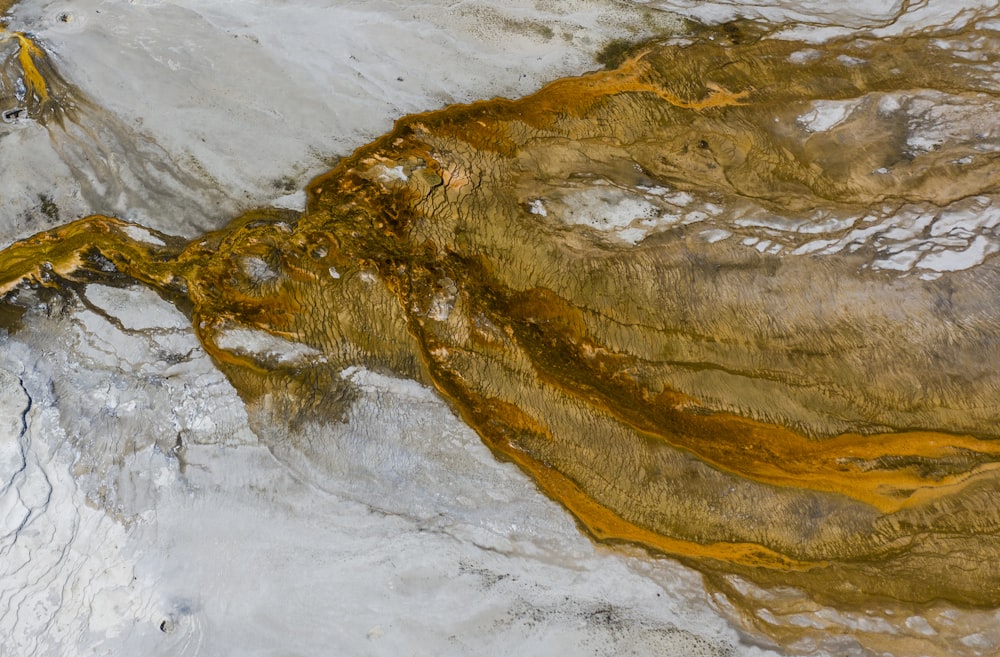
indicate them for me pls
(28, 52)
(30, 86)
(793, 420)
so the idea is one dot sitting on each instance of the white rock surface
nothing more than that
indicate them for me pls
(139, 512)
(254, 97)
(394, 532)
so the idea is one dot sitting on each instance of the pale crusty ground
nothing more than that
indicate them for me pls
(406, 535)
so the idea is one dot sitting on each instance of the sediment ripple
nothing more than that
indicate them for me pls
(786, 416)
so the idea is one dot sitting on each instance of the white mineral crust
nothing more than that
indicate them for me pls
(141, 514)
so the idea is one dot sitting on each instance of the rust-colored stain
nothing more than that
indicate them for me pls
(791, 420)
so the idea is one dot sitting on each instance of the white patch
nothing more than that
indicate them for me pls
(920, 625)
(140, 234)
(924, 142)
(773, 222)
(980, 214)
(902, 261)
(813, 247)
(627, 217)
(537, 207)
(826, 114)
(821, 225)
(655, 190)
(804, 56)
(632, 235)
(713, 235)
(294, 201)
(889, 104)
(268, 347)
(948, 260)
(257, 269)
(137, 308)
(443, 302)
(385, 174)
(680, 199)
